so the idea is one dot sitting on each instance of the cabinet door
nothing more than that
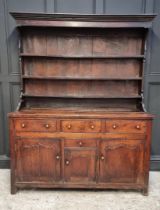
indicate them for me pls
(38, 159)
(121, 161)
(80, 165)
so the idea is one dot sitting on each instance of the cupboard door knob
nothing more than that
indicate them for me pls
(23, 125)
(114, 126)
(80, 143)
(102, 157)
(57, 157)
(92, 126)
(69, 126)
(138, 126)
(47, 126)
(67, 162)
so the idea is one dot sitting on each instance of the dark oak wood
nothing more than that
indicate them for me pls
(82, 56)
(80, 162)
(82, 96)
(38, 159)
(121, 161)
(112, 68)
(81, 121)
(77, 126)
(76, 20)
(80, 78)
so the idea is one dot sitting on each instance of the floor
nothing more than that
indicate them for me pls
(78, 200)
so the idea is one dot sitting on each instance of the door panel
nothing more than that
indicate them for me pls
(121, 161)
(38, 159)
(80, 165)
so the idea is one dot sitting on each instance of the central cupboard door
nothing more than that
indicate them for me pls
(80, 161)
(121, 161)
(38, 159)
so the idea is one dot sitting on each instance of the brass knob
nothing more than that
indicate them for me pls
(47, 126)
(80, 143)
(57, 157)
(23, 125)
(114, 126)
(69, 126)
(138, 126)
(67, 162)
(102, 157)
(92, 126)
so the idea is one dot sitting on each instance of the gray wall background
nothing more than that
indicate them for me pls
(9, 68)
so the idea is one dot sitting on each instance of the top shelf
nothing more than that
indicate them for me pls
(84, 56)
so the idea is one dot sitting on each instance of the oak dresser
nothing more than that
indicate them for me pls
(81, 120)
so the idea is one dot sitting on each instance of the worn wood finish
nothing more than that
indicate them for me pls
(12, 155)
(69, 42)
(82, 89)
(80, 156)
(80, 162)
(85, 21)
(87, 68)
(121, 161)
(100, 104)
(36, 125)
(124, 126)
(81, 121)
(38, 159)
(81, 126)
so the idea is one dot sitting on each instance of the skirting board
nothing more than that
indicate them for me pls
(155, 163)
(4, 161)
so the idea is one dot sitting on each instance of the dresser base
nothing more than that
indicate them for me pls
(80, 150)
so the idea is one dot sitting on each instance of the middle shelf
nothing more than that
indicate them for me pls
(82, 68)
(139, 56)
(91, 97)
(83, 88)
(78, 78)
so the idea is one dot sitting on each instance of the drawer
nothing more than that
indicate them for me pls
(35, 125)
(80, 143)
(125, 126)
(81, 126)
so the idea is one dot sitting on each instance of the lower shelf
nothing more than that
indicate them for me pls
(92, 97)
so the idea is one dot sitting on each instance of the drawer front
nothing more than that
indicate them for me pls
(125, 126)
(80, 143)
(35, 125)
(81, 126)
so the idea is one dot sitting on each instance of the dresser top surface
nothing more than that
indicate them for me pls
(80, 113)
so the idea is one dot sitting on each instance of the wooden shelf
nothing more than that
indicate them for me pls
(100, 97)
(79, 78)
(92, 68)
(84, 56)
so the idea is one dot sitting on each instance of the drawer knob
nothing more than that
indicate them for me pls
(57, 157)
(69, 126)
(23, 125)
(80, 143)
(102, 157)
(114, 126)
(92, 126)
(67, 162)
(138, 126)
(47, 126)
